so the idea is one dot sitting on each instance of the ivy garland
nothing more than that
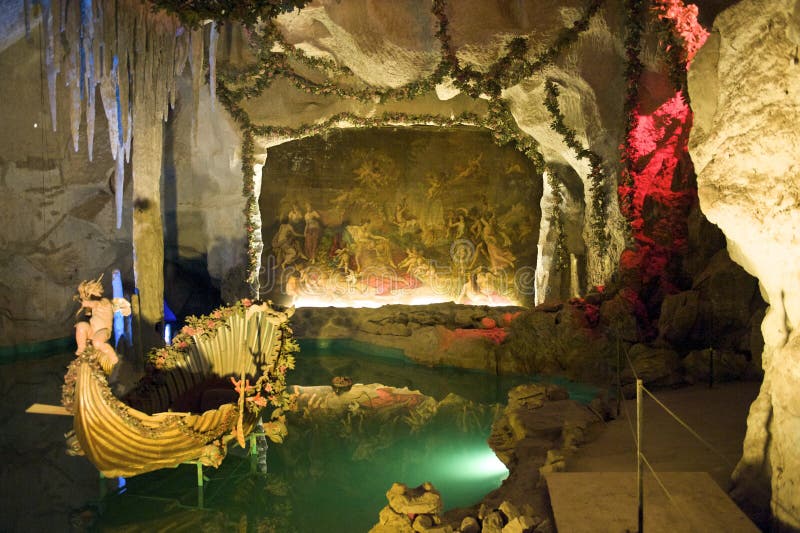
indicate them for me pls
(510, 69)
(513, 67)
(193, 13)
(597, 175)
(250, 208)
(634, 10)
(673, 47)
(557, 221)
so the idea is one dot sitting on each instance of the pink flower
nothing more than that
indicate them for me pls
(247, 302)
(258, 400)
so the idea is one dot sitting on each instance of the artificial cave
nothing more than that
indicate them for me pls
(494, 266)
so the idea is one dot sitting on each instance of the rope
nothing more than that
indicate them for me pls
(621, 399)
(681, 509)
(630, 364)
(688, 428)
(660, 483)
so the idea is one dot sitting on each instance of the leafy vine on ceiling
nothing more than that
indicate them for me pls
(275, 59)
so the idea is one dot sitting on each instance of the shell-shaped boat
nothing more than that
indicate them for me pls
(196, 398)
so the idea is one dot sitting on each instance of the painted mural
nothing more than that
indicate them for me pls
(370, 217)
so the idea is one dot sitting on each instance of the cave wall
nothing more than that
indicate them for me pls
(355, 35)
(58, 207)
(745, 89)
(57, 215)
(589, 75)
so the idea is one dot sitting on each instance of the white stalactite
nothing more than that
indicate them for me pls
(212, 63)
(49, 59)
(196, 65)
(102, 44)
(88, 70)
(108, 97)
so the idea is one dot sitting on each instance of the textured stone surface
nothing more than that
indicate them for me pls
(391, 520)
(744, 145)
(470, 525)
(654, 366)
(727, 365)
(520, 524)
(419, 500)
(57, 216)
(57, 220)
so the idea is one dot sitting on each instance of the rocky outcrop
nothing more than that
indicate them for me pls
(355, 35)
(438, 334)
(562, 339)
(535, 433)
(717, 310)
(745, 90)
(419, 510)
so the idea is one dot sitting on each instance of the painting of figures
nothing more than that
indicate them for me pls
(394, 215)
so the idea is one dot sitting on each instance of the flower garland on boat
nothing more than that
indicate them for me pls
(268, 389)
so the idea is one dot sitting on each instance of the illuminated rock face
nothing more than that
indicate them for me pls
(745, 89)
(590, 76)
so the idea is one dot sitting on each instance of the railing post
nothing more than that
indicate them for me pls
(639, 478)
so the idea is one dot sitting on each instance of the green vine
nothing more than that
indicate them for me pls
(193, 13)
(672, 46)
(513, 68)
(597, 176)
(557, 221)
(634, 27)
(235, 86)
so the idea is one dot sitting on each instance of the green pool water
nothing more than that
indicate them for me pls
(331, 475)
(320, 360)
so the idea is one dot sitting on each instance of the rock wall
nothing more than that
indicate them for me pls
(57, 222)
(57, 214)
(589, 75)
(745, 90)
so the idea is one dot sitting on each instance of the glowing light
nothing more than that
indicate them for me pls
(488, 465)
(390, 299)
(116, 291)
(475, 463)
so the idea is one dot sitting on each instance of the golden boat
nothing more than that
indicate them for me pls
(199, 394)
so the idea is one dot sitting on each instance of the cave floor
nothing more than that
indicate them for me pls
(718, 415)
(600, 481)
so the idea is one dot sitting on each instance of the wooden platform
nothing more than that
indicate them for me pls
(605, 502)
